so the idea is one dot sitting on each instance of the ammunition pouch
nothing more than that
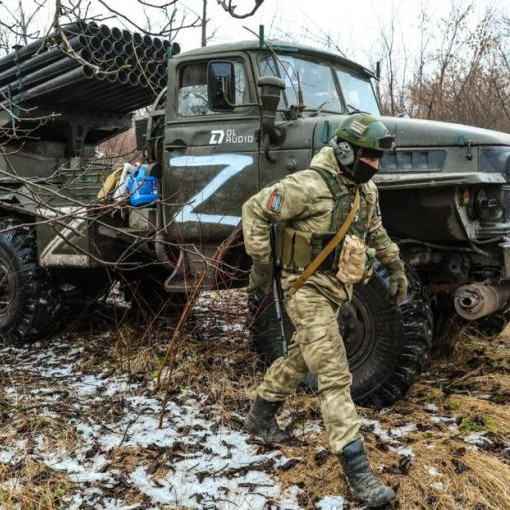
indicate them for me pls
(295, 250)
(355, 261)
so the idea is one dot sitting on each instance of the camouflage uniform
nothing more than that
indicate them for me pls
(306, 203)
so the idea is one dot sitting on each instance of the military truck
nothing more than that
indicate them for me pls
(232, 119)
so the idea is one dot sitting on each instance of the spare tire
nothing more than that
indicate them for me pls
(387, 346)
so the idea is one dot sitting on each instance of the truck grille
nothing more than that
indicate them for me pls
(413, 161)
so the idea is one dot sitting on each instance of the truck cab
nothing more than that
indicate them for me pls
(212, 160)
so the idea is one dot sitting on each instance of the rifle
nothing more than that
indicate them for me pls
(277, 290)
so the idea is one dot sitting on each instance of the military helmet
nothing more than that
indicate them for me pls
(364, 130)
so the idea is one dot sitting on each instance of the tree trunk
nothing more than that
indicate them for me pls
(204, 24)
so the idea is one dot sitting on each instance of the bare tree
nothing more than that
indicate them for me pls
(18, 25)
(460, 72)
(230, 7)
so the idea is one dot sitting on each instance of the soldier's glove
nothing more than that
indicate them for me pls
(261, 277)
(398, 281)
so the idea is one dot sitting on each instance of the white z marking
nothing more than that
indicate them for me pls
(235, 163)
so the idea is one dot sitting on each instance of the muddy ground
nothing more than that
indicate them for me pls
(80, 418)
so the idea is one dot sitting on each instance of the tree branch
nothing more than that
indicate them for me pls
(230, 8)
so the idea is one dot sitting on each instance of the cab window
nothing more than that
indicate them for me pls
(314, 79)
(358, 92)
(192, 94)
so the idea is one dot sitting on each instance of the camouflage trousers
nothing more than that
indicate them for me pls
(316, 347)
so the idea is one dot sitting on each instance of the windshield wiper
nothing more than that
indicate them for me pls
(353, 109)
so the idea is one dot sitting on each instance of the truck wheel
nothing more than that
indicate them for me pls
(387, 346)
(29, 302)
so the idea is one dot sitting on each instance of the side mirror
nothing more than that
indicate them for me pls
(221, 86)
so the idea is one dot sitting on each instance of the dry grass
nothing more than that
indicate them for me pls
(470, 391)
(29, 484)
(32, 486)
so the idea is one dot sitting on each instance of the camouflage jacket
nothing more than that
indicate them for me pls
(304, 201)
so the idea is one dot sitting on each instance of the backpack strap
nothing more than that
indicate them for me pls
(336, 192)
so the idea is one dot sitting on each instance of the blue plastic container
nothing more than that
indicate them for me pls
(143, 189)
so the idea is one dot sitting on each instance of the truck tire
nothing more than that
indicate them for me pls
(29, 302)
(387, 346)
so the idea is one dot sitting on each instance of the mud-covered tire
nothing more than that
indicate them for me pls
(387, 346)
(29, 300)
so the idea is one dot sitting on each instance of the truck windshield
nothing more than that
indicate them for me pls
(358, 92)
(314, 78)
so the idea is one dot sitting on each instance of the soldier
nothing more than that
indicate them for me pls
(309, 205)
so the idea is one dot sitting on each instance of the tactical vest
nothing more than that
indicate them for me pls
(295, 249)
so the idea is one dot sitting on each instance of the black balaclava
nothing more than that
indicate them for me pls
(348, 158)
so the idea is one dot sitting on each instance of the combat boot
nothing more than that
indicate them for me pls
(364, 484)
(262, 421)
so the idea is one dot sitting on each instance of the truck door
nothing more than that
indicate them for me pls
(210, 158)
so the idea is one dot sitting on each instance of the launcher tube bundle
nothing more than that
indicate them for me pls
(85, 65)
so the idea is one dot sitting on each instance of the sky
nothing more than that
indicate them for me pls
(353, 27)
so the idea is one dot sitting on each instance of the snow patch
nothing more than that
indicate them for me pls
(477, 439)
(438, 486)
(404, 430)
(330, 503)
(432, 471)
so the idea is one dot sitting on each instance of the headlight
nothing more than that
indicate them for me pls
(487, 204)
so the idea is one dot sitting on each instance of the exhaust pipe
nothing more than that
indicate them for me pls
(477, 300)
(270, 91)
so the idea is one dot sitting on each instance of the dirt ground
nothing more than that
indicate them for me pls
(80, 418)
